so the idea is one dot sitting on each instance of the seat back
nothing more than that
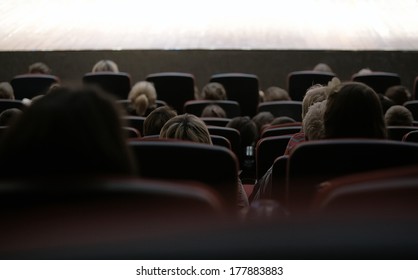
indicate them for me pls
(243, 88)
(196, 107)
(117, 84)
(398, 132)
(267, 150)
(135, 122)
(181, 160)
(232, 134)
(31, 85)
(174, 88)
(411, 136)
(299, 81)
(313, 162)
(9, 104)
(378, 81)
(413, 107)
(220, 141)
(292, 109)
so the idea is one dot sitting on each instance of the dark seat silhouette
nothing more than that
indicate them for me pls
(195, 107)
(243, 88)
(413, 107)
(136, 122)
(398, 132)
(292, 109)
(181, 160)
(299, 81)
(216, 121)
(31, 85)
(378, 81)
(411, 136)
(174, 88)
(117, 84)
(131, 132)
(267, 150)
(9, 104)
(229, 133)
(220, 141)
(313, 162)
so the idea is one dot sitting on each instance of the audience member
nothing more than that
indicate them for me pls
(8, 116)
(213, 111)
(213, 91)
(39, 68)
(143, 96)
(6, 91)
(398, 115)
(313, 122)
(283, 120)
(276, 94)
(156, 120)
(262, 120)
(105, 65)
(398, 94)
(68, 133)
(323, 67)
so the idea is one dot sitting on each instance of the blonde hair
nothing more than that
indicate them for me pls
(186, 127)
(6, 91)
(143, 96)
(214, 91)
(105, 65)
(313, 122)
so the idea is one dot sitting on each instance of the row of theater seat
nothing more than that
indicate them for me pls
(176, 88)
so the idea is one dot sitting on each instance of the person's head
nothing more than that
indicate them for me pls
(398, 115)
(214, 91)
(282, 120)
(6, 91)
(70, 132)
(398, 94)
(186, 127)
(247, 129)
(105, 65)
(156, 120)
(353, 110)
(314, 94)
(313, 122)
(262, 119)
(276, 94)
(39, 68)
(322, 67)
(8, 116)
(213, 111)
(143, 96)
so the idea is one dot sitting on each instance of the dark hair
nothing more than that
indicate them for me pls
(354, 111)
(75, 132)
(156, 120)
(8, 116)
(39, 68)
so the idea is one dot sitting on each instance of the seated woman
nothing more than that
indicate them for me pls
(71, 133)
(142, 96)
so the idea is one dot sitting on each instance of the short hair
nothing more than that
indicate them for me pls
(398, 94)
(353, 110)
(39, 68)
(6, 91)
(398, 115)
(213, 111)
(316, 93)
(186, 127)
(156, 120)
(214, 91)
(313, 122)
(76, 132)
(282, 120)
(322, 67)
(262, 119)
(143, 96)
(247, 129)
(105, 65)
(276, 94)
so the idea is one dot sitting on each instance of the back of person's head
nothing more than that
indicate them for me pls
(71, 132)
(105, 65)
(282, 120)
(353, 110)
(313, 122)
(186, 127)
(398, 94)
(213, 111)
(143, 96)
(6, 91)
(398, 115)
(156, 120)
(247, 129)
(8, 116)
(317, 93)
(39, 68)
(322, 67)
(262, 119)
(276, 94)
(214, 91)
